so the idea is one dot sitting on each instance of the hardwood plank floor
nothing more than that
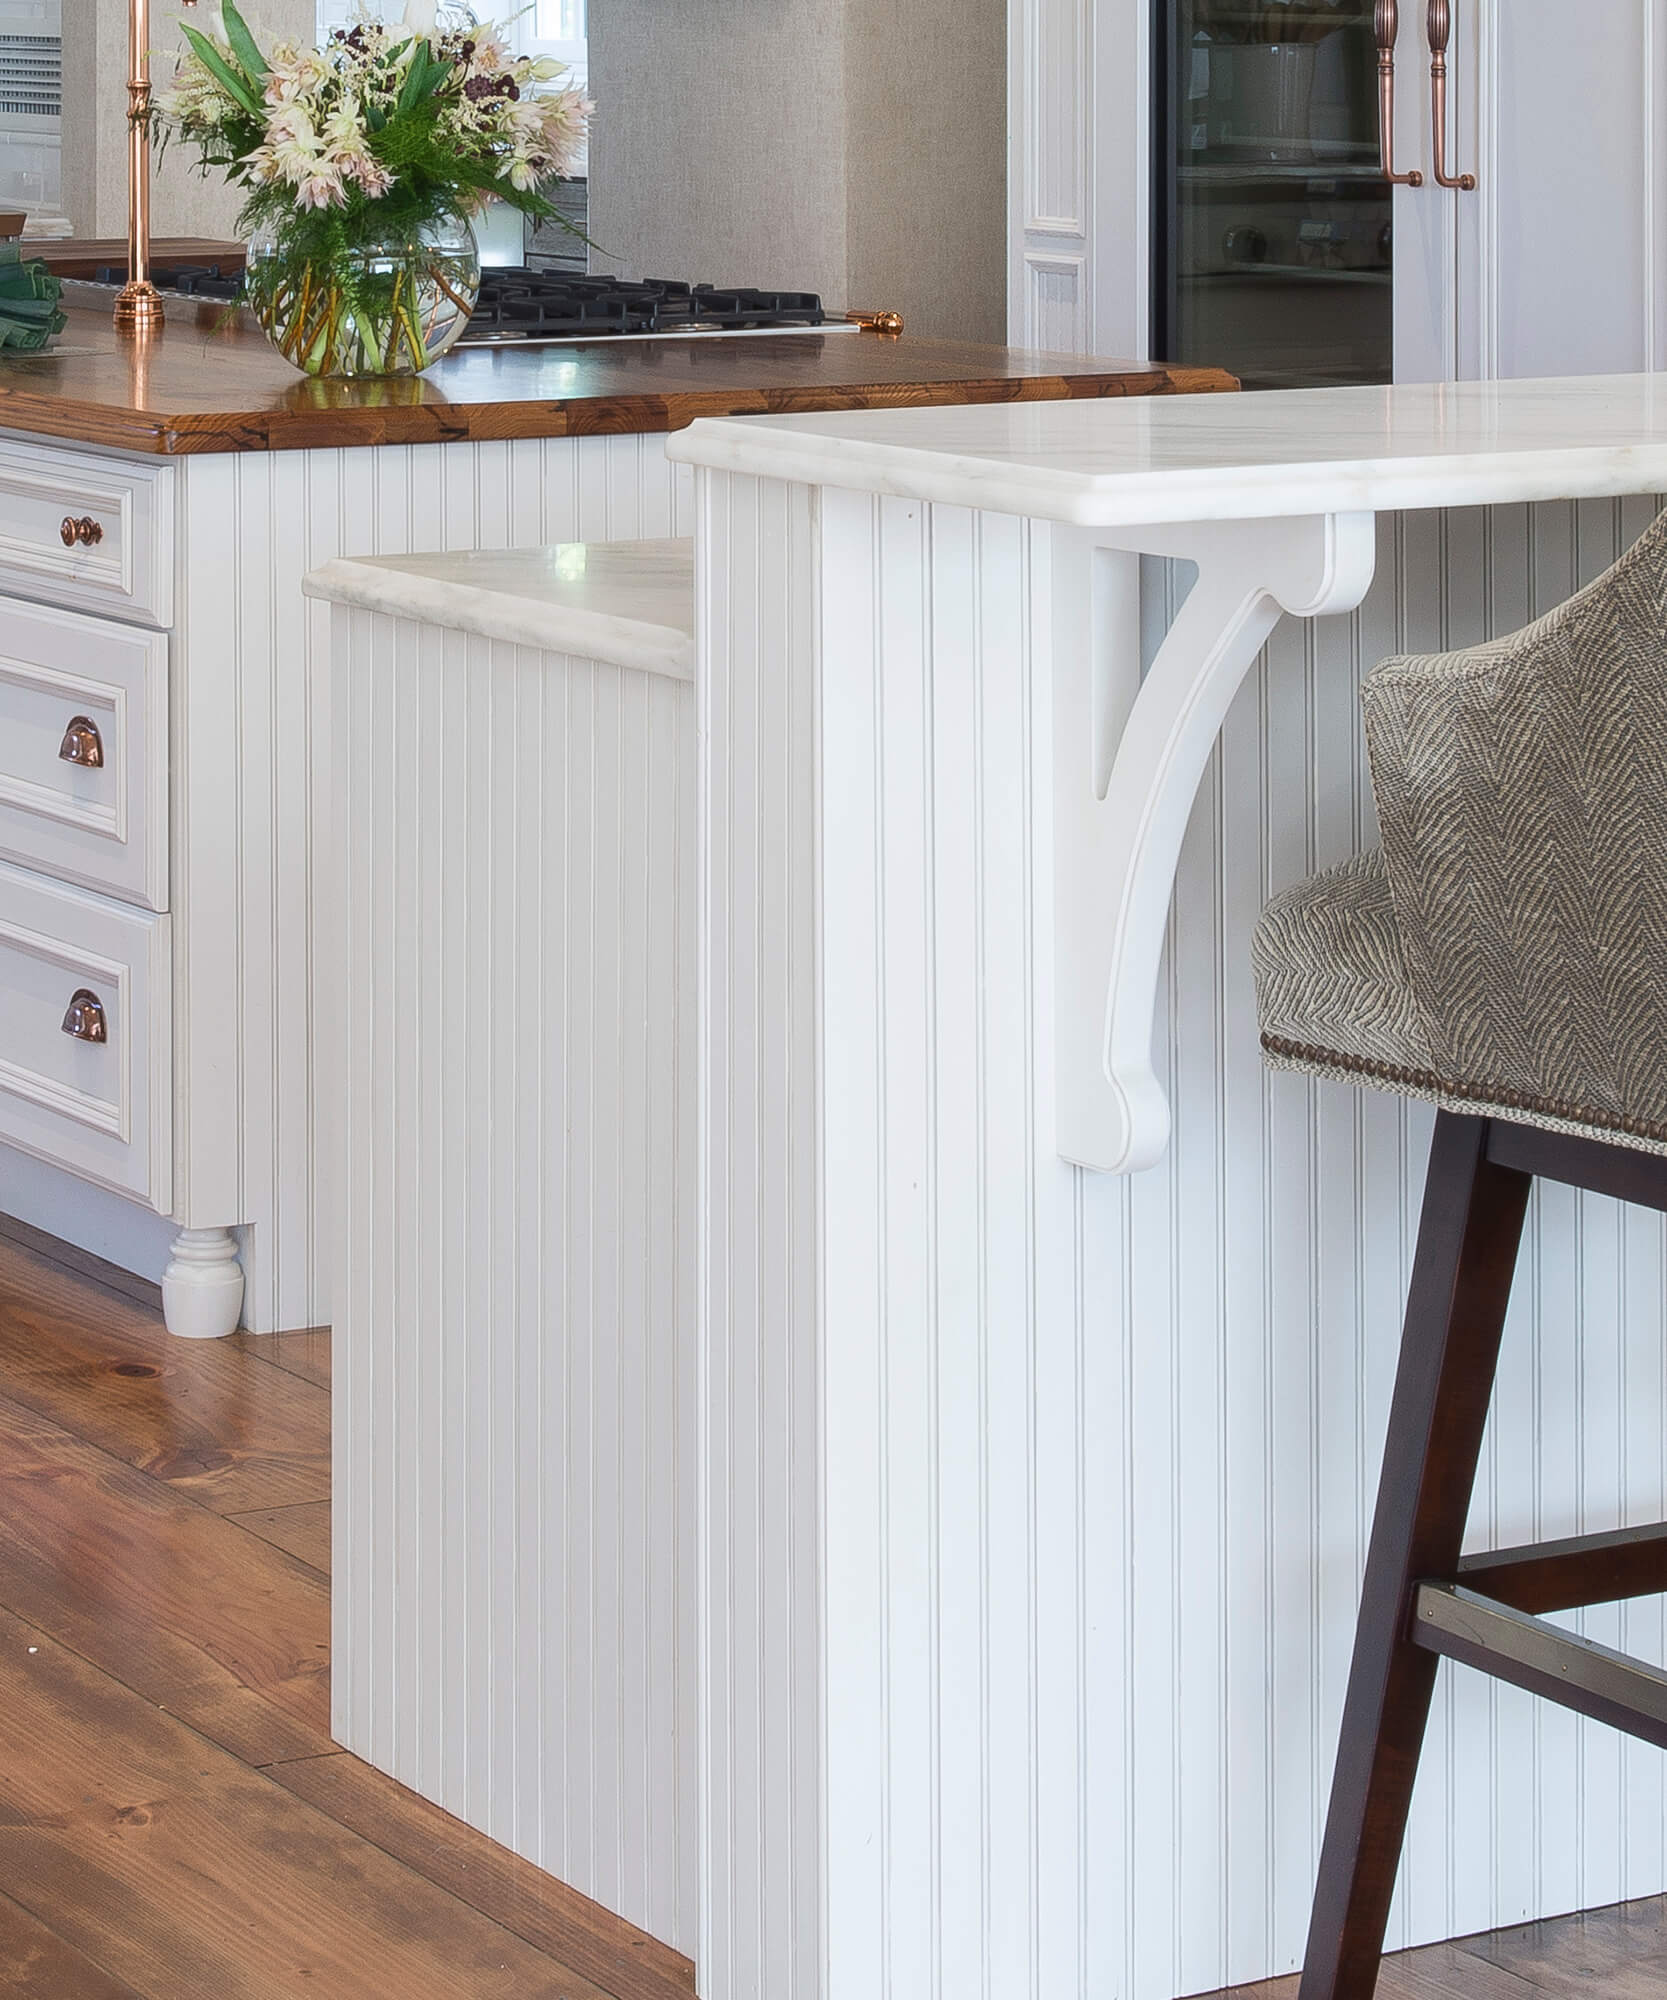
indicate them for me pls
(1618, 1954)
(174, 1818)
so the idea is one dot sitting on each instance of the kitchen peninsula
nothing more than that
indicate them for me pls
(858, 1399)
(1045, 1340)
(163, 795)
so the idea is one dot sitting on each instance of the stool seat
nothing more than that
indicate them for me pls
(1336, 1000)
(1504, 952)
(1332, 987)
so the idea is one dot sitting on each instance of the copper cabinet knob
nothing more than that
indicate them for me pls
(84, 530)
(85, 1019)
(82, 744)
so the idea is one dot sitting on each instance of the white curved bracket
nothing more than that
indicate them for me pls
(1128, 758)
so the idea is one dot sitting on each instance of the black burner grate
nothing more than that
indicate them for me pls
(203, 281)
(520, 304)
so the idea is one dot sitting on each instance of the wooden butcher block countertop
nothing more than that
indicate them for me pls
(209, 382)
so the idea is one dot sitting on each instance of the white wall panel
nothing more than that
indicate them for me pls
(514, 1411)
(1098, 1455)
(251, 787)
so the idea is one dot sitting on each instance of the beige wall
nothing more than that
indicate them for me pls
(853, 146)
(95, 119)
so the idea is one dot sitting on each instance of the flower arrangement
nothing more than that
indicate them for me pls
(364, 161)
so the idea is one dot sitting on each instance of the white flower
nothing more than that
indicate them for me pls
(373, 178)
(321, 189)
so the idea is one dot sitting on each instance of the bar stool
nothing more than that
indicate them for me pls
(1504, 956)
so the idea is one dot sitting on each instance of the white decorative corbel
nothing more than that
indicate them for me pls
(1128, 758)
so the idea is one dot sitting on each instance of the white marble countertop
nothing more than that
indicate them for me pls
(630, 604)
(1218, 458)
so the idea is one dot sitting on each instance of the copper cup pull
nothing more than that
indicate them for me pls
(85, 1019)
(1440, 25)
(83, 529)
(1387, 21)
(82, 744)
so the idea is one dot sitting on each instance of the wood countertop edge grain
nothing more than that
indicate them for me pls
(157, 434)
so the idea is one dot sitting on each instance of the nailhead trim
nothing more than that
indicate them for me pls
(1427, 1080)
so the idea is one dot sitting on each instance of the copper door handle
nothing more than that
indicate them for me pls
(1440, 24)
(85, 1020)
(86, 531)
(1387, 23)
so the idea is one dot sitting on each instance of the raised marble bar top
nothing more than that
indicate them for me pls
(628, 604)
(1225, 458)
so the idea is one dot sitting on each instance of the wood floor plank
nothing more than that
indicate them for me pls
(524, 1899)
(305, 1352)
(1520, 1964)
(208, 1417)
(186, 1608)
(37, 1963)
(1620, 1953)
(303, 1532)
(192, 1877)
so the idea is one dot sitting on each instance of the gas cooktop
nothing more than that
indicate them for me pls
(522, 306)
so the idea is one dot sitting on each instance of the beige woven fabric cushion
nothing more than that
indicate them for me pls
(1508, 948)
(1331, 981)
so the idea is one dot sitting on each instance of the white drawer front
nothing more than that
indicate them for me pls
(77, 687)
(103, 1109)
(92, 532)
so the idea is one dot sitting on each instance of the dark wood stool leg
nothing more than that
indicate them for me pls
(1461, 1282)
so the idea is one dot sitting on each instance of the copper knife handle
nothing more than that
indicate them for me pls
(1440, 26)
(1387, 23)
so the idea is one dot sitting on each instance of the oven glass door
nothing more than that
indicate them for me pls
(1272, 239)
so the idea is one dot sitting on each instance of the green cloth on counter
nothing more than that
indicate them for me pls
(29, 311)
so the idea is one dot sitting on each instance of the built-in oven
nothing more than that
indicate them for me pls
(1273, 248)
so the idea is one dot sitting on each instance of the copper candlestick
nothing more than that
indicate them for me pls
(138, 303)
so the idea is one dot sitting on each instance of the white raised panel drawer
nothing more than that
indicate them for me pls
(102, 1109)
(106, 827)
(120, 556)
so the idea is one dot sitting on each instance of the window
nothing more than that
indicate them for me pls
(555, 28)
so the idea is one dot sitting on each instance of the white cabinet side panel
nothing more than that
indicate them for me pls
(1100, 1454)
(759, 1557)
(514, 1325)
(251, 792)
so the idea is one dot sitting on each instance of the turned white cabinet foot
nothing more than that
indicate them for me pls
(202, 1288)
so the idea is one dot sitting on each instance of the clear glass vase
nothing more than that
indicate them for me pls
(391, 306)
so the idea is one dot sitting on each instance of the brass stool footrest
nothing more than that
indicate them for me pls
(1576, 1673)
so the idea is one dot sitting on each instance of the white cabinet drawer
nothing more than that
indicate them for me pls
(97, 533)
(102, 1108)
(73, 687)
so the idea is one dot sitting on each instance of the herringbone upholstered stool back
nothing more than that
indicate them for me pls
(1504, 954)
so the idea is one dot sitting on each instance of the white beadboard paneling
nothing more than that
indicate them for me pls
(514, 1609)
(759, 1525)
(1098, 1456)
(251, 793)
